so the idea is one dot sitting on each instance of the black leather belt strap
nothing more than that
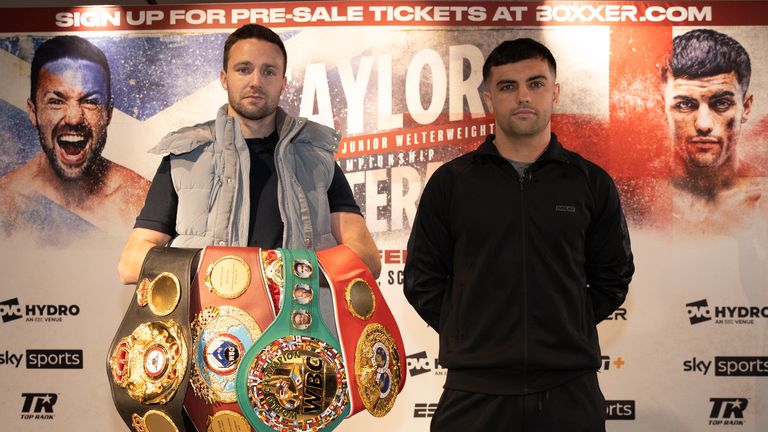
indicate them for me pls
(148, 362)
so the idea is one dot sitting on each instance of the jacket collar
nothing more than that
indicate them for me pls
(188, 138)
(553, 152)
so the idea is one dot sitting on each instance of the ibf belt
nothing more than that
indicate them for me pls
(372, 345)
(230, 305)
(294, 378)
(148, 362)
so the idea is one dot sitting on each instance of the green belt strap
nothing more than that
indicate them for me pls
(293, 377)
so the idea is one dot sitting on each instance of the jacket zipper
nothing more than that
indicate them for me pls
(526, 174)
(216, 186)
(288, 131)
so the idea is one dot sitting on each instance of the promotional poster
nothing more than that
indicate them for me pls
(402, 82)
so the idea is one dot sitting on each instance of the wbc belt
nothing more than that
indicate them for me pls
(294, 378)
(230, 306)
(370, 338)
(148, 361)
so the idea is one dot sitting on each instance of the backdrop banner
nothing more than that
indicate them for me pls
(402, 82)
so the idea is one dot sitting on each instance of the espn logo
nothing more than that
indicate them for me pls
(424, 410)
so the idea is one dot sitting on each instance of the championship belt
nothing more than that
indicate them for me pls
(230, 306)
(293, 378)
(148, 361)
(371, 342)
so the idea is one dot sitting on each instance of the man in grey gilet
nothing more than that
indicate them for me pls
(254, 176)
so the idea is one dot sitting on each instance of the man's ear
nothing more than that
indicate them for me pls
(223, 79)
(32, 112)
(747, 108)
(556, 94)
(488, 102)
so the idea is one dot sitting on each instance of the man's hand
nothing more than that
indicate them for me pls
(350, 229)
(139, 243)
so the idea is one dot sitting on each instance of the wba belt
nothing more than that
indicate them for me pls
(148, 361)
(370, 338)
(230, 306)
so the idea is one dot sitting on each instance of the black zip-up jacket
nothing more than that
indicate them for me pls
(514, 272)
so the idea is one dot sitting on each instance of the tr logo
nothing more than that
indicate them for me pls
(725, 408)
(698, 311)
(36, 403)
(618, 314)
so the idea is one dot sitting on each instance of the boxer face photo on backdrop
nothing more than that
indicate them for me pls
(705, 117)
(71, 111)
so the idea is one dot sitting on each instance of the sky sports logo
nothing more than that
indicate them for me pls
(700, 311)
(44, 359)
(729, 366)
(620, 410)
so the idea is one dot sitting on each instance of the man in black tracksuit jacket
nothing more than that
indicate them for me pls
(518, 250)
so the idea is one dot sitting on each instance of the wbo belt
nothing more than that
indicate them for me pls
(148, 361)
(293, 378)
(370, 338)
(230, 306)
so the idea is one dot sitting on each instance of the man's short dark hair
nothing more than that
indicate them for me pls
(513, 51)
(72, 47)
(703, 53)
(254, 31)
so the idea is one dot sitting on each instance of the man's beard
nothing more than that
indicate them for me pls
(253, 113)
(90, 169)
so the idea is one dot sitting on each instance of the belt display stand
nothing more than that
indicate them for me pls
(148, 360)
